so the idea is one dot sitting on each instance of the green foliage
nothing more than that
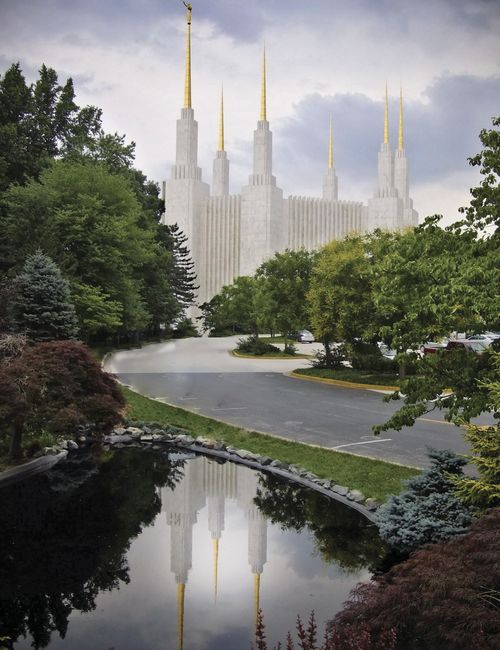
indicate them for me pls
(427, 511)
(185, 328)
(483, 491)
(253, 345)
(340, 302)
(233, 308)
(283, 283)
(43, 308)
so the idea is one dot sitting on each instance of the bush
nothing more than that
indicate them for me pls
(253, 345)
(185, 328)
(54, 387)
(428, 510)
(445, 596)
(374, 362)
(332, 356)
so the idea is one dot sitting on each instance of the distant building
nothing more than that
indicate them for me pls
(231, 235)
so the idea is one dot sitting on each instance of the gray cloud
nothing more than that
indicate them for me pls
(440, 133)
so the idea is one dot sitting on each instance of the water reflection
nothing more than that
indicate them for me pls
(145, 550)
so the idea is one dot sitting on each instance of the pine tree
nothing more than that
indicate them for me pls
(183, 276)
(43, 305)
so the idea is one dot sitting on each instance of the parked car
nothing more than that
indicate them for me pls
(488, 337)
(433, 346)
(302, 336)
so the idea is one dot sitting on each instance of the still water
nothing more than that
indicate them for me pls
(149, 550)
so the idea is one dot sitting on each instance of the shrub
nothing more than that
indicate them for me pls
(54, 387)
(444, 596)
(254, 345)
(427, 511)
(185, 328)
(373, 362)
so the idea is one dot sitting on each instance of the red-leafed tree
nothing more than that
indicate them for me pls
(56, 386)
(444, 596)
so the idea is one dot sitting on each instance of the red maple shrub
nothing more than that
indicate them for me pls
(54, 387)
(444, 596)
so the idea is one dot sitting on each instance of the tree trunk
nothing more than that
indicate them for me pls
(16, 441)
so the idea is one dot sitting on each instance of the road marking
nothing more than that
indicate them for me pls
(183, 399)
(366, 442)
(232, 408)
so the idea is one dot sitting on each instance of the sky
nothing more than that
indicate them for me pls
(323, 57)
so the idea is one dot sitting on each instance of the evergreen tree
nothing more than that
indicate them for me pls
(43, 306)
(183, 277)
(427, 511)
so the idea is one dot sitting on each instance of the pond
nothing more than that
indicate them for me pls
(140, 549)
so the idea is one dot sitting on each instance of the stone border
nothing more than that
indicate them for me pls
(154, 437)
(145, 436)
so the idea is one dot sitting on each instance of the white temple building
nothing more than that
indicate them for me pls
(231, 235)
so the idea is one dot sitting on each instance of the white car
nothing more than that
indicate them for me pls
(487, 337)
(305, 336)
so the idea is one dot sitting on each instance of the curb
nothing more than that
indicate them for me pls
(339, 382)
(145, 437)
(22, 472)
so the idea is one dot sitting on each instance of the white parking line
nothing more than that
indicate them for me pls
(232, 408)
(183, 399)
(366, 442)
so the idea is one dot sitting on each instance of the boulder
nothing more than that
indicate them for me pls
(372, 504)
(356, 496)
(340, 489)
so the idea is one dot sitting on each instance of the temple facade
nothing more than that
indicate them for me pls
(231, 235)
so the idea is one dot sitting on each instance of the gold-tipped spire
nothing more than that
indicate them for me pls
(386, 117)
(263, 111)
(180, 613)
(216, 561)
(330, 147)
(221, 123)
(187, 78)
(400, 135)
(256, 594)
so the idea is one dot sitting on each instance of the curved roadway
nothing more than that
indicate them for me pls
(201, 375)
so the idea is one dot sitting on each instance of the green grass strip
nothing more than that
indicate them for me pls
(375, 478)
(349, 374)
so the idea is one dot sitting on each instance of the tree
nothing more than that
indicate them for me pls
(483, 491)
(233, 308)
(284, 280)
(183, 276)
(444, 596)
(55, 386)
(339, 299)
(427, 511)
(43, 304)
(91, 224)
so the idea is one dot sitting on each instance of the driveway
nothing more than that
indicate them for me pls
(201, 375)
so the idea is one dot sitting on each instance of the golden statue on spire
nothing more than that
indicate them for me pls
(189, 10)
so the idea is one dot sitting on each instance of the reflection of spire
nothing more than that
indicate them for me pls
(386, 117)
(216, 567)
(187, 79)
(400, 135)
(180, 614)
(263, 111)
(256, 594)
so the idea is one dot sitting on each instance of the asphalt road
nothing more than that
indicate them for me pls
(200, 375)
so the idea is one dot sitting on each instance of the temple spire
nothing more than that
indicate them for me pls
(187, 78)
(263, 111)
(330, 147)
(221, 124)
(400, 135)
(386, 117)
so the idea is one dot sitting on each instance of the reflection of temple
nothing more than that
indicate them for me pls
(209, 483)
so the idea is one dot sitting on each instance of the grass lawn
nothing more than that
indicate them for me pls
(270, 355)
(375, 478)
(349, 374)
